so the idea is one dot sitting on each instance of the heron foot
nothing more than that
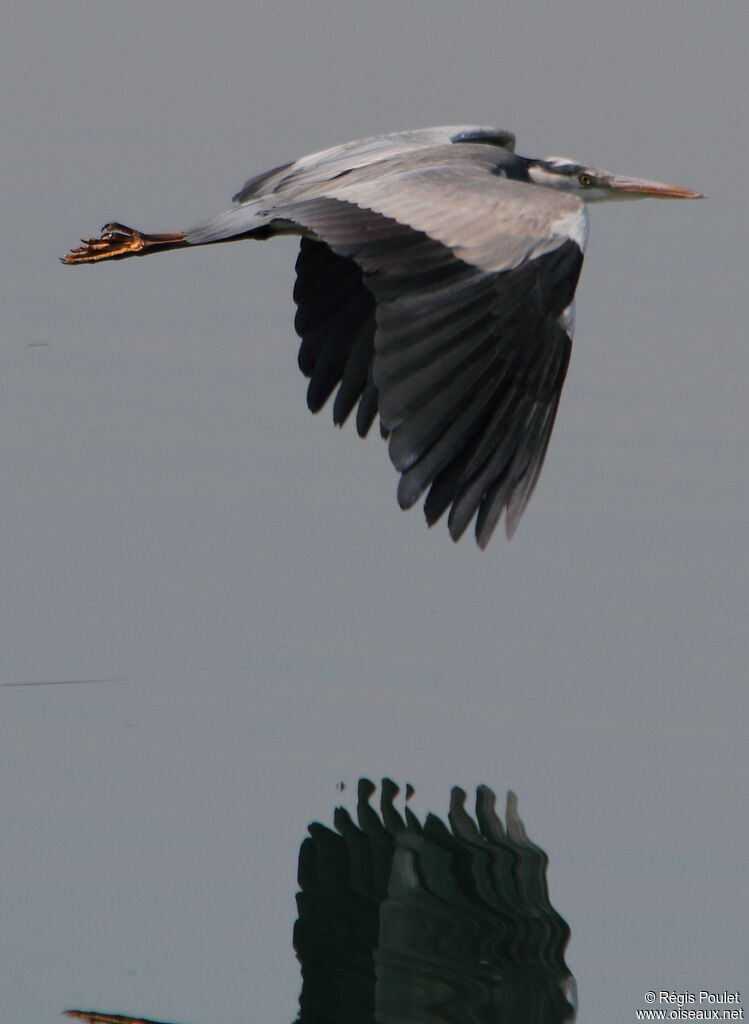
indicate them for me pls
(117, 242)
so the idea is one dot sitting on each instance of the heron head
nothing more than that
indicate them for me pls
(592, 185)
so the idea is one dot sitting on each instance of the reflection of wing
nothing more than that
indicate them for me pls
(343, 878)
(400, 922)
(408, 923)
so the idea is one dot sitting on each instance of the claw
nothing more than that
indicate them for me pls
(118, 241)
(114, 228)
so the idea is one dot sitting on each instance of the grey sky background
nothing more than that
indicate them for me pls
(257, 617)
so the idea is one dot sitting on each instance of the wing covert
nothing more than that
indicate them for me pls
(468, 364)
(327, 163)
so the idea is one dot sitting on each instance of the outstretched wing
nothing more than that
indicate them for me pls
(336, 322)
(470, 344)
(468, 339)
(327, 163)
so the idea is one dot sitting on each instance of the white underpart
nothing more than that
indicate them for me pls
(567, 319)
(573, 226)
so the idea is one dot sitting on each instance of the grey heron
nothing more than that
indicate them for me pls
(434, 288)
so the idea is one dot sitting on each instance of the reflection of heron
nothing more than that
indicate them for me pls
(434, 288)
(420, 923)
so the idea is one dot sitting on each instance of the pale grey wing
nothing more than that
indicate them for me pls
(472, 274)
(326, 164)
(459, 196)
(469, 364)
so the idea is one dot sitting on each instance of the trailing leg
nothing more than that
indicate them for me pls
(118, 242)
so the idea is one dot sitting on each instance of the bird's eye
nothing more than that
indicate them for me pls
(585, 179)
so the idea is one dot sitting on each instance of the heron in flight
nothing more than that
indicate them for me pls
(434, 289)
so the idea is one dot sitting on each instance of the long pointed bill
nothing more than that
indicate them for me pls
(633, 187)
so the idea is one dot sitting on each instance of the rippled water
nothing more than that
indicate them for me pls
(400, 919)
